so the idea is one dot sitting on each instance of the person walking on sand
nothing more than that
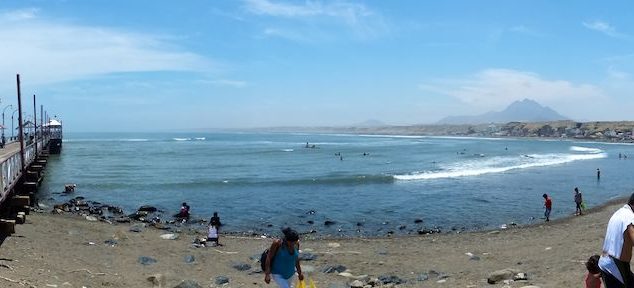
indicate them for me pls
(578, 201)
(282, 260)
(617, 248)
(548, 205)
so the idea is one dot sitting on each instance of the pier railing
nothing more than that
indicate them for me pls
(12, 165)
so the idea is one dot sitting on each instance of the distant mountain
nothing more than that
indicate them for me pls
(523, 111)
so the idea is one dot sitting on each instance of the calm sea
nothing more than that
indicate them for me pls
(367, 185)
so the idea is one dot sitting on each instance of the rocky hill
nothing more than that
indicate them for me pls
(522, 111)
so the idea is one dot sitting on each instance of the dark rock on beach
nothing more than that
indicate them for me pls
(241, 266)
(222, 280)
(144, 260)
(305, 256)
(334, 269)
(188, 284)
(329, 222)
(147, 208)
(189, 259)
(386, 279)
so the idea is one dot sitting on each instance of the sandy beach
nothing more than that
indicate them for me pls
(69, 251)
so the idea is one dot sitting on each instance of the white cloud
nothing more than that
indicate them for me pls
(604, 28)
(46, 51)
(357, 17)
(18, 15)
(496, 88)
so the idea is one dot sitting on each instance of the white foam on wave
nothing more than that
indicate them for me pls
(288, 150)
(499, 165)
(200, 138)
(181, 139)
(585, 149)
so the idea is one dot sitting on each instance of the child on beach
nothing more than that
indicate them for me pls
(548, 204)
(593, 277)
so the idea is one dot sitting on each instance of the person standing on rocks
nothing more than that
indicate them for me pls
(617, 248)
(548, 205)
(282, 260)
(578, 201)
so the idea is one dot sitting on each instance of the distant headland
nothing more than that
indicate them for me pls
(609, 131)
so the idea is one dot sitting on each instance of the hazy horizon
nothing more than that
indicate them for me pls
(160, 66)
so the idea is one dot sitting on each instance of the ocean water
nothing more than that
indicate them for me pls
(262, 181)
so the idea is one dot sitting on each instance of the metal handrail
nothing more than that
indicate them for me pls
(11, 167)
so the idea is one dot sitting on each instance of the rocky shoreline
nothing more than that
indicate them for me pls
(159, 219)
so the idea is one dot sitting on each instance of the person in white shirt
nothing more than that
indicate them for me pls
(617, 248)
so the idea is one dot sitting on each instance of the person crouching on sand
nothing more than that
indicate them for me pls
(213, 229)
(548, 205)
(282, 261)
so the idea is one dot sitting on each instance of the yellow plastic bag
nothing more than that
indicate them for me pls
(301, 284)
(311, 284)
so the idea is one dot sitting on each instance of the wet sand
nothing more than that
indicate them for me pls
(69, 251)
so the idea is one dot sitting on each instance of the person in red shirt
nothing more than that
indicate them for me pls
(548, 204)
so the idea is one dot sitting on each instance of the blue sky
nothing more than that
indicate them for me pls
(182, 65)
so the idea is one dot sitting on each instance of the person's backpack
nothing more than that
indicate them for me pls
(263, 259)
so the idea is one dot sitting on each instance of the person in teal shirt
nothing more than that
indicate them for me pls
(282, 261)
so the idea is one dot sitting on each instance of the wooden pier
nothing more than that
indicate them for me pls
(22, 164)
(18, 183)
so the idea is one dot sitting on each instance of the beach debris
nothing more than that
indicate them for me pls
(241, 266)
(91, 218)
(111, 242)
(335, 268)
(503, 226)
(189, 259)
(169, 236)
(349, 275)
(548, 248)
(220, 280)
(357, 284)
(144, 260)
(334, 245)
(472, 256)
(157, 280)
(520, 276)
(501, 275)
(188, 284)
